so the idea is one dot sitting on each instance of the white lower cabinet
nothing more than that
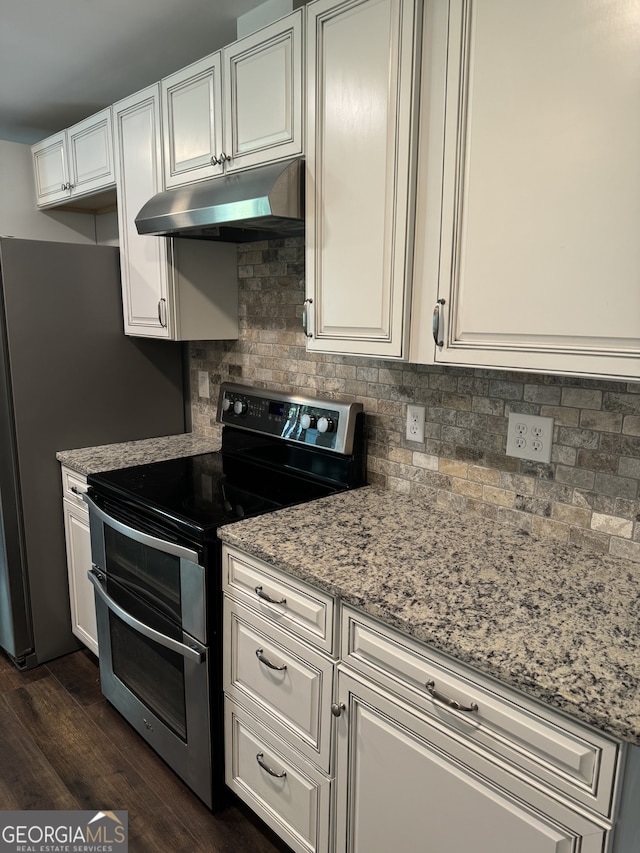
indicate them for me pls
(404, 783)
(78, 544)
(278, 683)
(354, 738)
(288, 793)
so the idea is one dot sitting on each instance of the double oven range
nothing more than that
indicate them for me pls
(157, 561)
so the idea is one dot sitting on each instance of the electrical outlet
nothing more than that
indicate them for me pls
(203, 384)
(415, 423)
(529, 437)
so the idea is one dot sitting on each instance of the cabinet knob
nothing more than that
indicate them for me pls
(224, 158)
(338, 708)
(215, 161)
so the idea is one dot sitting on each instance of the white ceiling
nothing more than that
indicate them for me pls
(63, 60)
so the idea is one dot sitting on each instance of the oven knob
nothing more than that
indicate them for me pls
(226, 404)
(326, 425)
(240, 407)
(308, 421)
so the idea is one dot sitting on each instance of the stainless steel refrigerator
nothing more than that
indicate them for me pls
(69, 377)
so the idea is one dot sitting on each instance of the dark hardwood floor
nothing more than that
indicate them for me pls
(62, 746)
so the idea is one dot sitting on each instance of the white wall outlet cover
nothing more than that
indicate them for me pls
(415, 423)
(203, 384)
(529, 437)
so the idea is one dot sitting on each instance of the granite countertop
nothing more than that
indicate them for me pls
(558, 622)
(107, 457)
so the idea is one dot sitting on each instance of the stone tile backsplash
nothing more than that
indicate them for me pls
(588, 494)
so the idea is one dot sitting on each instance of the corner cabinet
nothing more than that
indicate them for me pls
(362, 70)
(535, 265)
(75, 163)
(237, 108)
(172, 289)
(78, 545)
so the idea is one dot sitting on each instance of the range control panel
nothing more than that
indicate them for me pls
(329, 424)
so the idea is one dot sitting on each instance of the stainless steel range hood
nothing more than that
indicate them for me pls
(256, 204)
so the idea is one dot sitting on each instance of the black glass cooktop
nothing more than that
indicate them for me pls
(196, 494)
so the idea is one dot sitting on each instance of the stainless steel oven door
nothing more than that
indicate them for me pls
(152, 669)
(167, 574)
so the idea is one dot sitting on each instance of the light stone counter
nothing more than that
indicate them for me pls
(107, 457)
(558, 622)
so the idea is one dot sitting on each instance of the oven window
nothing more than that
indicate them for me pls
(154, 674)
(144, 571)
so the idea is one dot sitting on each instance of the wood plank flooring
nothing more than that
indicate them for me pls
(62, 746)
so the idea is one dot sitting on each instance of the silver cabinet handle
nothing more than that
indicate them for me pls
(224, 158)
(162, 312)
(436, 323)
(446, 700)
(77, 491)
(337, 708)
(195, 653)
(267, 662)
(265, 597)
(261, 762)
(305, 317)
(215, 161)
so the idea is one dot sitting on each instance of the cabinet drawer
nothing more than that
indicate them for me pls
(74, 485)
(284, 681)
(295, 801)
(574, 759)
(295, 606)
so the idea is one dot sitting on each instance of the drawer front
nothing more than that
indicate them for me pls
(289, 682)
(574, 759)
(284, 600)
(74, 485)
(289, 795)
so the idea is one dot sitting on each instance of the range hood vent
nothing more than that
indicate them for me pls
(257, 204)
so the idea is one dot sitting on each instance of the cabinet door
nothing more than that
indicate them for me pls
(362, 61)
(50, 170)
(404, 784)
(90, 148)
(539, 260)
(144, 258)
(192, 122)
(81, 598)
(263, 94)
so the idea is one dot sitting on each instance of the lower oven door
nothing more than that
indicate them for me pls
(157, 676)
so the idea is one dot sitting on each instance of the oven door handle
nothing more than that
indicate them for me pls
(195, 653)
(139, 536)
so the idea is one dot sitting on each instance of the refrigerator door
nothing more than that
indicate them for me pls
(15, 622)
(72, 379)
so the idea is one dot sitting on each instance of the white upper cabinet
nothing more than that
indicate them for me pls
(362, 64)
(236, 108)
(263, 76)
(536, 262)
(172, 289)
(76, 162)
(192, 116)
